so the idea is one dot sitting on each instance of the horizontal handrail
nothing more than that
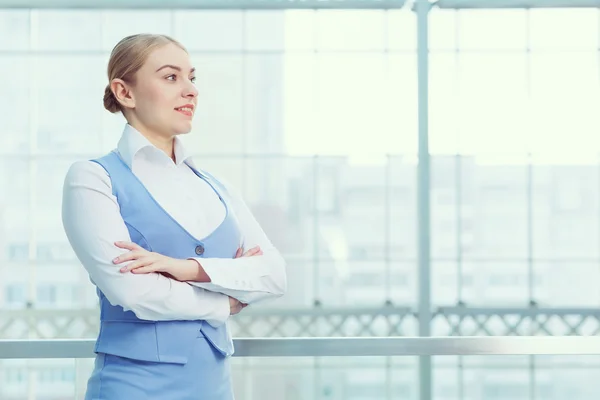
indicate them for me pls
(24, 313)
(342, 346)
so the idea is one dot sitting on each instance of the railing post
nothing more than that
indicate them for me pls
(422, 8)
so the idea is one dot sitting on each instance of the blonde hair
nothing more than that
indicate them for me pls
(127, 57)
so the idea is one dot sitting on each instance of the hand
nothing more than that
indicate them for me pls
(255, 251)
(144, 261)
(235, 306)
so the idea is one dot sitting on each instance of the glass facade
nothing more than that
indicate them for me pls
(312, 114)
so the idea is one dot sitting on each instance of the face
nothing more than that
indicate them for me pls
(163, 98)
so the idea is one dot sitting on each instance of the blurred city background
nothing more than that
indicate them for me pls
(313, 112)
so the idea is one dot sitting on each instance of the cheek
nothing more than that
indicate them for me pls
(158, 97)
(156, 103)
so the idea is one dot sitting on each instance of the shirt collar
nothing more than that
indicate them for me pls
(132, 141)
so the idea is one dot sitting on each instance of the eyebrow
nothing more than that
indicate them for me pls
(174, 67)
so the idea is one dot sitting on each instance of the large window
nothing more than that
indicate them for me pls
(313, 115)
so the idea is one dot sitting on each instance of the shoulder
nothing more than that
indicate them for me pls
(86, 172)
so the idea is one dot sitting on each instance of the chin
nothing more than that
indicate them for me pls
(181, 129)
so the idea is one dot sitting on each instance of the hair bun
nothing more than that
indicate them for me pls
(110, 102)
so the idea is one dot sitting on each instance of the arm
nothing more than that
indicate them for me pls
(248, 279)
(93, 223)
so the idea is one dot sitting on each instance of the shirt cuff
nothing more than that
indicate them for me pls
(240, 274)
(217, 275)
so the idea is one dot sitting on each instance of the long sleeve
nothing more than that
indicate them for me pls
(92, 222)
(248, 279)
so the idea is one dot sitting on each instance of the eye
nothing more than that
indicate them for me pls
(171, 76)
(193, 79)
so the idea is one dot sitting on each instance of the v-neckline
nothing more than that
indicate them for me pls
(205, 179)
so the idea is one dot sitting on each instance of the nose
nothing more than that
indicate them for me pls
(190, 90)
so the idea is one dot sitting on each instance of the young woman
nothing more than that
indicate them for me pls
(172, 250)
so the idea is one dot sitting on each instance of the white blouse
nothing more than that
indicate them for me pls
(92, 221)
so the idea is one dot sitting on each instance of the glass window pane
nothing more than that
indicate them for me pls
(565, 211)
(50, 176)
(348, 378)
(569, 283)
(112, 129)
(300, 28)
(118, 24)
(15, 295)
(368, 88)
(565, 98)
(497, 283)
(263, 103)
(350, 30)
(265, 30)
(442, 29)
(359, 77)
(493, 103)
(401, 28)
(397, 119)
(14, 214)
(403, 211)
(573, 29)
(210, 30)
(300, 108)
(56, 28)
(16, 73)
(500, 210)
(219, 120)
(70, 102)
(444, 289)
(444, 103)
(46, 295)
(492, 30)
(14, 30)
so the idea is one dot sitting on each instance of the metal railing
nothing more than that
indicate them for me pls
(340, 347)
(381, 322)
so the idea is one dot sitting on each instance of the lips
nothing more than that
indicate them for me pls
(187, 110)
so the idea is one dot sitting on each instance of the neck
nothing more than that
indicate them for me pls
(162, 142)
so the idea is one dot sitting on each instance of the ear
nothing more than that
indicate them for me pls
(123, 93)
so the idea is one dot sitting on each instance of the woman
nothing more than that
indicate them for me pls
(172, 251)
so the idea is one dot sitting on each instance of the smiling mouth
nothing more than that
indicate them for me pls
(186, 111)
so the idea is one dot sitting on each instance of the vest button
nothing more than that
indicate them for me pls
(199, 250)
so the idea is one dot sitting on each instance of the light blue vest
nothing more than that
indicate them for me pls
(151, 227)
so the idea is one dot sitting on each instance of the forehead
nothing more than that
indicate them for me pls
(168, 54)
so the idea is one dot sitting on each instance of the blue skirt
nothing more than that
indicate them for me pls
(206, 376)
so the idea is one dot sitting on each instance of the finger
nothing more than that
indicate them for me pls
(132, 255)
(238, 253)
(252, 251)
(145, 270)
(129, 267)
(128, 245)
(142, 262)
